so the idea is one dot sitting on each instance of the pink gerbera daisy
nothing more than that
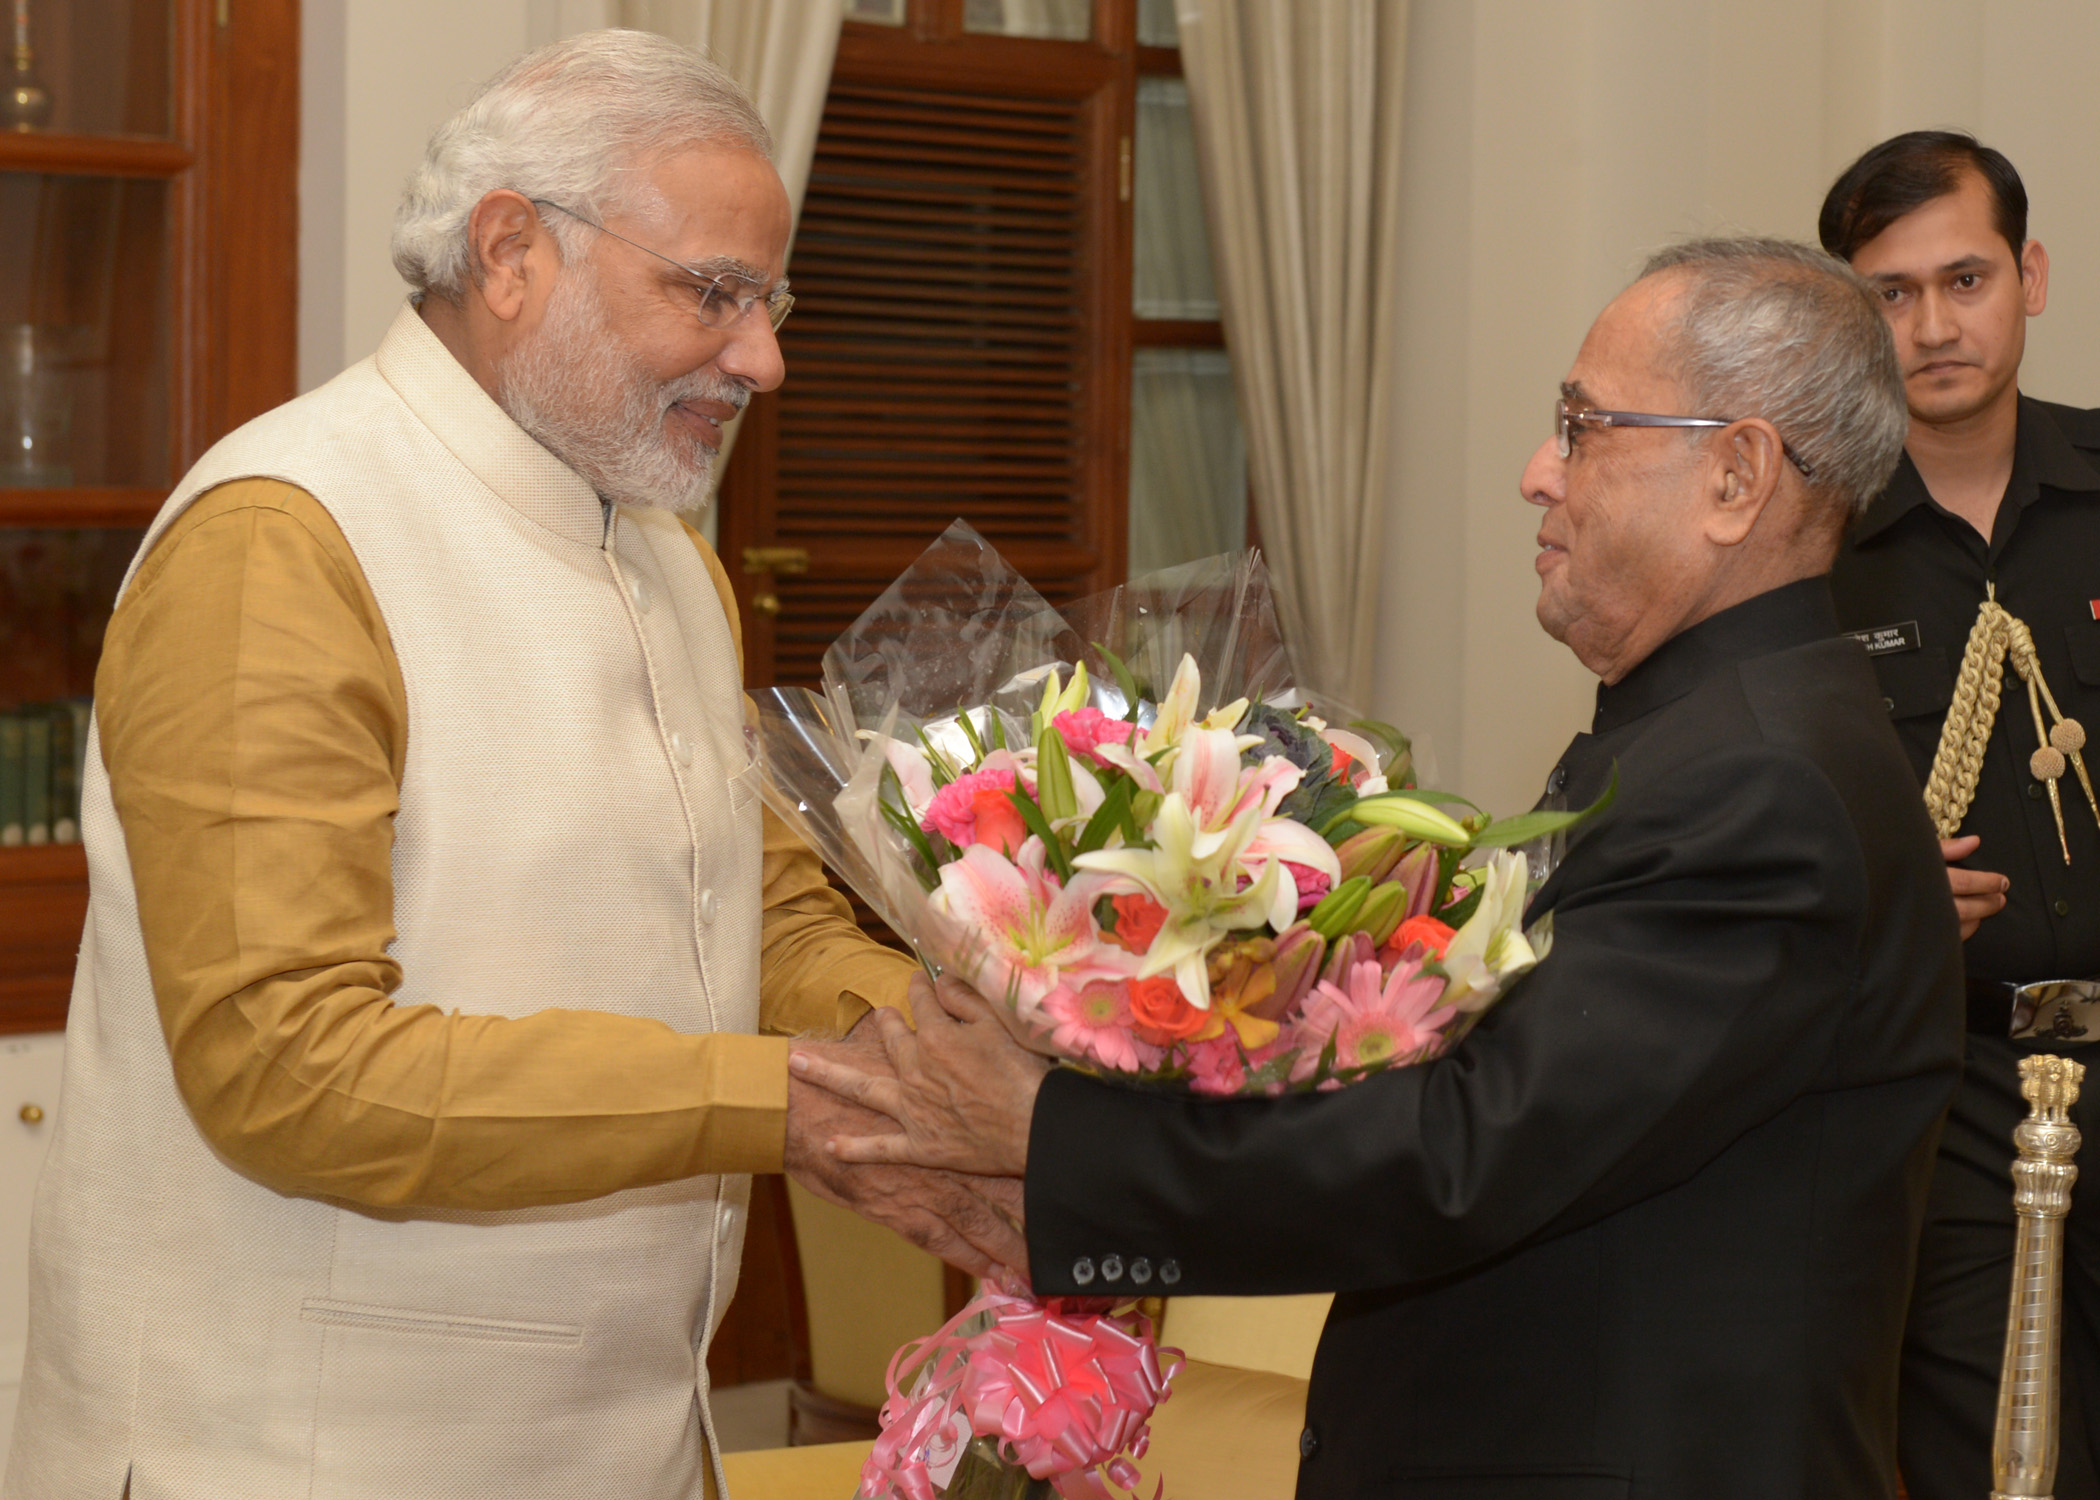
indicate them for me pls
(1373, 1024)
(1095, 1021)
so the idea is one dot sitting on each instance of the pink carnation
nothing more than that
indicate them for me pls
(952, 813)
(1083, 728)
(1215, 1068)
(1093, 1022)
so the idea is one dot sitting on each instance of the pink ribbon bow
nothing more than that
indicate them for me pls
(1065, 1385)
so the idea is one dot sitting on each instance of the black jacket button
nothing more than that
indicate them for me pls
(1308, 1444)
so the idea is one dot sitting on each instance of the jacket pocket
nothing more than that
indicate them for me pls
(2084, 643)
(364, 1315)
(1915, 682)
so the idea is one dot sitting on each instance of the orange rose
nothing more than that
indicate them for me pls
(1426, 930)
(1160, 1013)
(1138, 920)
(998, 821)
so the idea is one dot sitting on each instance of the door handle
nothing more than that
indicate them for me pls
(776, 559)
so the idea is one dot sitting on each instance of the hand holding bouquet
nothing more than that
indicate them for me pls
(1128, 826)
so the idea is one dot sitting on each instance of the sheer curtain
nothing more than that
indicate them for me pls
(1297, 124)
(1188, 457)
(782, 53)
(1188, 460)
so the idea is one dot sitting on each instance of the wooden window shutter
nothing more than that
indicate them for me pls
(955, 350)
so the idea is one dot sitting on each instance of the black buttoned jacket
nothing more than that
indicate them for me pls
(1648, 1231)
(1909, 580)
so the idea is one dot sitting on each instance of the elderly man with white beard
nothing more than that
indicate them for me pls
(413, 1069)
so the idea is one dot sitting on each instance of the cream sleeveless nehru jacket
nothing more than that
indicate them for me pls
(205, 1336)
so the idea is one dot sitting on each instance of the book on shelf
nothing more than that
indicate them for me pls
(14, 779)
(42, 750)
(36, 777)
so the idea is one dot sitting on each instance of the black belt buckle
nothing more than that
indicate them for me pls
(2063, 1012)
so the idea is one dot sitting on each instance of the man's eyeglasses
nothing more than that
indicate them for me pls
(1566, 418)
(724, 300)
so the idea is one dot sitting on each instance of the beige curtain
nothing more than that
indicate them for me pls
(781, 51)
(1297, 118)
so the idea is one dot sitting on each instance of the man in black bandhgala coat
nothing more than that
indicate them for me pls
(1648, 1231)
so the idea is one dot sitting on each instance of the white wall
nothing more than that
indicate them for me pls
(378, 76)
(1551, 144)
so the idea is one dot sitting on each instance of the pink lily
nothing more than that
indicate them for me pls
(1030, 930)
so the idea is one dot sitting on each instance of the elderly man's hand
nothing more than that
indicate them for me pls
(972, 1223)
(960, 1087)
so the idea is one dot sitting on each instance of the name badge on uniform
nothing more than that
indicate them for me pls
(1884, 640)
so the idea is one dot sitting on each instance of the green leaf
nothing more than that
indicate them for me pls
(1447, 861)
(937, 763)
(1113, 813)
(1503, 833)
(998, 729)
(1441, 799)
(1124, 681)
(962, 718)
(901, 820)
(1455, 916)
(1053, 846)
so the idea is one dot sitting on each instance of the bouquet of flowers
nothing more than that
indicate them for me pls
(1128, 822)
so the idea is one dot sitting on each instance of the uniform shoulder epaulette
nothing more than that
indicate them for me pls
(2081, 426)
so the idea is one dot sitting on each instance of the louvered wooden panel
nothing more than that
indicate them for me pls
(937, 355)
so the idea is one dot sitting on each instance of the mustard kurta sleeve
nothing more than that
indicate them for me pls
(254, 725)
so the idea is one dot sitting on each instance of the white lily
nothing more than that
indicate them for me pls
(1490, 952)
(1201, 892)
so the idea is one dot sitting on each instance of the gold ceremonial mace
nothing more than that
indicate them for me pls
(2023, 1449)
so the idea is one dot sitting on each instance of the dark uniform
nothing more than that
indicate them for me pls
(1910, 579)
(1647, 1233)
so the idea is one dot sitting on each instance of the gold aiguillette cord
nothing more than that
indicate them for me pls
(1967, 733)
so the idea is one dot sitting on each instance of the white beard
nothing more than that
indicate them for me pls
(575, 390)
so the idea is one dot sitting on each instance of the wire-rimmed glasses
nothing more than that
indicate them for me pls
(724, 300)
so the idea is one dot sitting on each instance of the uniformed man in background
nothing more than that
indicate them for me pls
(1997, 497)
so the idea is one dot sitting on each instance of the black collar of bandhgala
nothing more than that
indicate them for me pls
(1795, 614)
(2042, 455)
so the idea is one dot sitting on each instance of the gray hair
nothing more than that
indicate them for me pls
(1773, 329)
(568, 122)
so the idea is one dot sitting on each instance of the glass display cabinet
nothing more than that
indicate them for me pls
(148, 255)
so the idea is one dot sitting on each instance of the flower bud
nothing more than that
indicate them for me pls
(1371, 853)
(1382, 911)
(1299, 953)
(1418, 873)
(1345, 954)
